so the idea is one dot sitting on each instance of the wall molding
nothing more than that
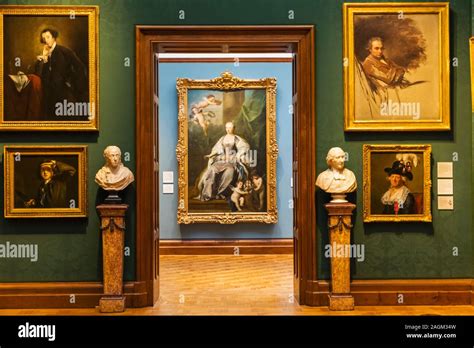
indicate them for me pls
(225, 60)
(433, 292)
(226, 246)
(65, 295)
(415, 292)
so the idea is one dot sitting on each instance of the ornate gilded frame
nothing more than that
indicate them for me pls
(350, 122)
(92, 12)
(11, 153)
(226, 82)
(471, 50)
(425, 151)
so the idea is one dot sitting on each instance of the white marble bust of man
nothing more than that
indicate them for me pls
(336, 179)
(113, 176)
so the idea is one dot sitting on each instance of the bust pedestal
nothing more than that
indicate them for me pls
(339, 224)
(112, 226)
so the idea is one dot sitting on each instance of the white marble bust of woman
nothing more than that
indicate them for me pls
(113, 176)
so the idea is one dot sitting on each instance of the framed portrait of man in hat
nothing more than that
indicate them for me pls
(45, 181)
(397, 183)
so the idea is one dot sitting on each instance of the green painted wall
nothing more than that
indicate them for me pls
(71, 251)
(409, 250)
(472, 139)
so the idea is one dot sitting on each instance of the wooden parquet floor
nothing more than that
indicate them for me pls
(228, 284)
(237, 285)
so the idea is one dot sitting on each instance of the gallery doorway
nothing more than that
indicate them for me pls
(231, 265)
(295, 41)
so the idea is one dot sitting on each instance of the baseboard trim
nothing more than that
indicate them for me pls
(65, 295)
(365, 292)
(226, 247)
(413, 292)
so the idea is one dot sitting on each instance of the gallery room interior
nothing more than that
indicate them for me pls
(187, 158)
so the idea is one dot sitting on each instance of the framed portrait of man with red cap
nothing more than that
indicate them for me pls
(397, 183)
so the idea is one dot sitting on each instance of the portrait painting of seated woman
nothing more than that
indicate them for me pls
(224, 156)
(226, 137)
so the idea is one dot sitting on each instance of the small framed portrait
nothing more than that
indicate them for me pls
(397, 183)
(396, 67)
(49, 68)
(45, 181)
(227, 150)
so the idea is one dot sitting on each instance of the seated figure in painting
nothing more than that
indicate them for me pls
(52, 192)
(382, 71)
(64, 77)
(398, 199)
(381, 77)
(227, 163)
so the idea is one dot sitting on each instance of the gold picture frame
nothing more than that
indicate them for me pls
(206, 185)
(393, 91)
(471, 50)
(45, 181)
(409, 202)
(49, 68)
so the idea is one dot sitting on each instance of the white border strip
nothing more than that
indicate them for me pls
(223, 55)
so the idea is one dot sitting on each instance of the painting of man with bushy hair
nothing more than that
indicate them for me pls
(396, 66)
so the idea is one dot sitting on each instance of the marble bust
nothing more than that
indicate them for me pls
(337, 180)
(113, 176)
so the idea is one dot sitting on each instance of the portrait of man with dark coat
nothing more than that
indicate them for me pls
(63, 74)
(50, 69)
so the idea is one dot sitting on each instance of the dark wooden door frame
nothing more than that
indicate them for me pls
(229, 39)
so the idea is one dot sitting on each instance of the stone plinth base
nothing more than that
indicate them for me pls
(112, 304)
(112, 226)
(339, 226)
(341, 302)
